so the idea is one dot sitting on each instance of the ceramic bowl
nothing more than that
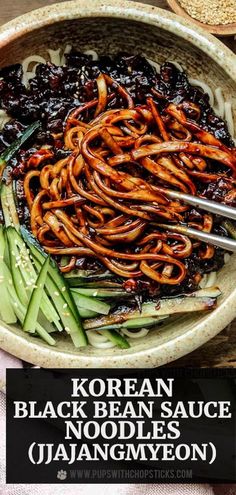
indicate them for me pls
(110, 26)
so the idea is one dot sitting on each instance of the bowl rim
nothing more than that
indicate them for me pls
(122, 9)
(37, 352)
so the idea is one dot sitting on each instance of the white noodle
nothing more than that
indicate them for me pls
(208, 280)
(4, 118)
(202, 283)
(229, 117)
(67, 50)
(177, 65)
(204, 86)
(211, 280)
(226, 258)
(155, 65)
(93, 54)
(135, 335)
(36, 59)
(219, 108)
(27, 74)
(54, 55)
(96, 339)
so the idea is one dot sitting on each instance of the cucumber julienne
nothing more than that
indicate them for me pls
(31, 316)
(60, 308)
(7, 313)
(16, 145)
(24, 275)
(62, 298)
(20, 310)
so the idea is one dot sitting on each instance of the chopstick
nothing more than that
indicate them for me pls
(216, 240)
(204, 204)
(207, 205)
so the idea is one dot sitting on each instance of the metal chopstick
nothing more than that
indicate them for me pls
(204, 204)
(216, 240)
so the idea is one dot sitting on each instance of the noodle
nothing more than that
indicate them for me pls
(66, 51)
(4, 118)
(135, 335)
(177, 65)
(55, 56)
(222, 108)
(220, 104)
(92, 53)
(98, 340)
(205, 88)
(154, 64)
(98, 190)
(27, 74)
(229, 117)
(93, 171)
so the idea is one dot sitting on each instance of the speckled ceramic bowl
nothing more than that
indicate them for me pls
(109, 26)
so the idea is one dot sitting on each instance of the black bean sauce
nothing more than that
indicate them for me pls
(55, 91)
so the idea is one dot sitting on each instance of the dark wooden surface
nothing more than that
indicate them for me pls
(220, 351)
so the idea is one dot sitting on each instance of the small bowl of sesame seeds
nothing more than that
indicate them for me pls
(216, 16)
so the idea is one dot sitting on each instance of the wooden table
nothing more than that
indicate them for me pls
(220, 351)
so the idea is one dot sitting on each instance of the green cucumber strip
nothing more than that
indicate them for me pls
(45, 335)
(96, 284)
(86, 313)
(35, 299)
(164, 307)
(29, 275)
(88, 275)
(2, 243)
(91, 303)
(101, 293)
(135, 323)
(47, 325)
(51, 289)
(18, 280)
(7, 313)
(20, 310)
(63, 301)
(143, 322)
(8, 206)
(53, 271)
(207, 292)
(16, 145)
(70, 323)
(117, 339)
(64, 260)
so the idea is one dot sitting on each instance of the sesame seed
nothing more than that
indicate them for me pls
(212, 12)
